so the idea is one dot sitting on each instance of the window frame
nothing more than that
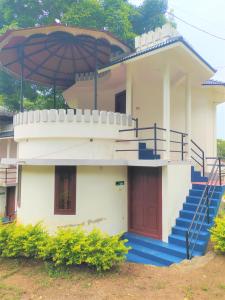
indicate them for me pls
(72, 210)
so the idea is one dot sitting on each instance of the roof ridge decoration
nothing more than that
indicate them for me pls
(151, 38)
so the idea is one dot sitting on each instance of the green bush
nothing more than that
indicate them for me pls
(103, 251)
(73, 246)
(69, 246)
(218, 234)
(20, 240)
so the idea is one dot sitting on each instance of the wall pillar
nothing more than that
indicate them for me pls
(214, 129)
(188, 108)
(8, 148)
(166, 110)
(129, 90)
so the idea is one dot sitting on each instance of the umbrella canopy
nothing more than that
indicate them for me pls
(57, 54)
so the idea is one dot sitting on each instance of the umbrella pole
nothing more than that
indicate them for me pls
(96, 78)
(95, 90)
(21, 81)
(54, 95)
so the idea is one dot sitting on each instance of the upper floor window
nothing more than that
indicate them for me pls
(65, 190)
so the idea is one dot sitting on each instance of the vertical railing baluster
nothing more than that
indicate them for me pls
(136, 127)
(182, 146)
(155, 138)
(5, 175)
(187, 245)
(207, 203)
(203, 163)
(220, 171)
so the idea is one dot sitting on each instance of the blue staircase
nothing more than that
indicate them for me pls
(145, 153)
(147, 250)
(196, 176)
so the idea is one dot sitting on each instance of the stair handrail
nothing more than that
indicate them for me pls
(155, 139)
(198, 156)
(199, 217)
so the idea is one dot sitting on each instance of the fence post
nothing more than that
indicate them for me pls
(207, 203)
(203, 163)
(155, 138)
(5, 175)
(182, 146)
(220, 172)
(136, 121)
(187, 245)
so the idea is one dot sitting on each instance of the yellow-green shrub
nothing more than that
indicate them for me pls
(218, 234)
(74, 246)
(69, 246)
(103, 251)
(21, 240)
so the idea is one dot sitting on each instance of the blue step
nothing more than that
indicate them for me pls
(145, 153)
(186, 223)
(196, 200)
(157, 256)
(199, 193)
(203, 208)
(189, 214)
(178, 230)
(196, 176)
(131, 257)
(181, 241)
(202, 187)
(173, 250)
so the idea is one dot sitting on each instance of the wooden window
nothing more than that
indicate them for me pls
(65, 190)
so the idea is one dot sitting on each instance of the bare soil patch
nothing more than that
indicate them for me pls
(201, 278)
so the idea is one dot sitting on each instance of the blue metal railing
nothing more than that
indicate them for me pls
(201, 216)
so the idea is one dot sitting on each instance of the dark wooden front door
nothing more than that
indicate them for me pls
(120, 102)
(10, 202)
(145, 201)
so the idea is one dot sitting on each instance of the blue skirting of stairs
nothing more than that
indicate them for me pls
(196, 176)
(145, 153)
(150, 251)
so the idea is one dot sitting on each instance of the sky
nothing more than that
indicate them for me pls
(210, 16)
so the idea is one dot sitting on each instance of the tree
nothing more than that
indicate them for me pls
(221, 148)
(117, 16)
(150, 14)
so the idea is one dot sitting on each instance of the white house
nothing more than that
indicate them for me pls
(123, 161)
(8, 173)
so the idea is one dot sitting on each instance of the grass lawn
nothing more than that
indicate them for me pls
(202, 278)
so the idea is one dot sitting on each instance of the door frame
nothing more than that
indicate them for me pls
(158, 236)
(12, 216)
(124, 92)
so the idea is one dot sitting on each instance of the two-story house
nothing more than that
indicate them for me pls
(121, 156)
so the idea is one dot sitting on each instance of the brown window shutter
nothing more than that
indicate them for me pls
(65, 190)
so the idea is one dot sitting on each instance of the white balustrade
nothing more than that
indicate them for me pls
(70, 115)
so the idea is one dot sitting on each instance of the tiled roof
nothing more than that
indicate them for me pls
(162, 44)
(214, 82)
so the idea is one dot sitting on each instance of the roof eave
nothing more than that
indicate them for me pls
(159, 47)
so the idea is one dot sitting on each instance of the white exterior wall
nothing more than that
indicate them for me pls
(84, 138)
(147, 106)
(99, 202)
(176, 182)
(204, 120)
(2, 201)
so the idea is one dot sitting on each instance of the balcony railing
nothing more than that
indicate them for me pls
(157, 139)
(6, 134)
(8, 176)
